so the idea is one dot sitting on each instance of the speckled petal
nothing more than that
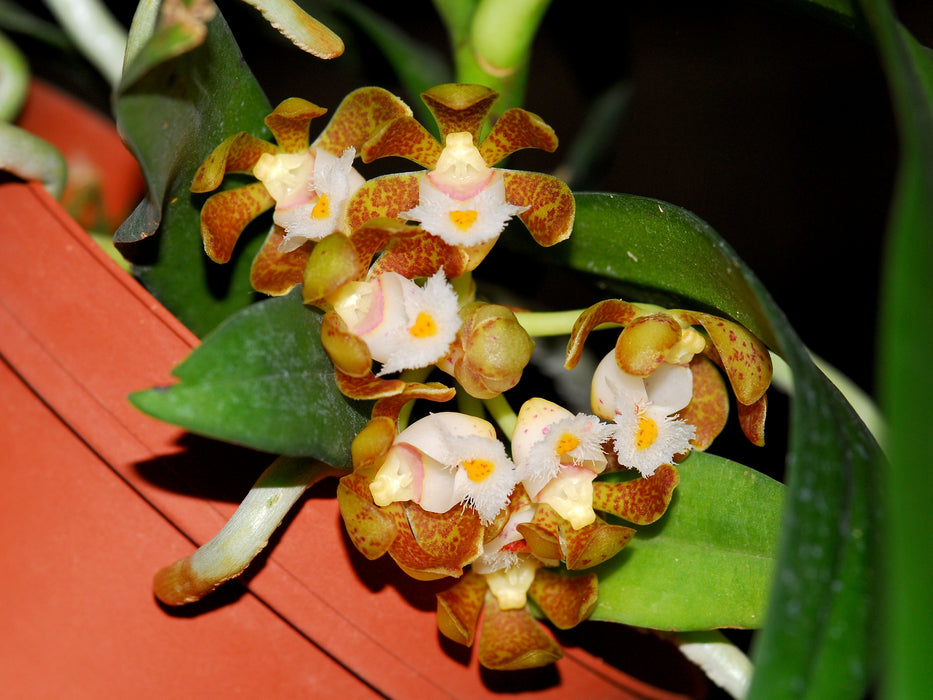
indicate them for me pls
(752, 420)
(289, 123)
(406, 552)
(419, 254)
(459, 107)
(235, 154)
(639, 501)
(551, 207)
(391, 406)
(708, 410)
(459, 607)
(608, 311)
(643, 344)
(384, 196)
(566, 600)
(225, 215)
(276, 273)
(744, 357)
(512, 640)
(370, 531)
(404, 137)
(455, 537)
(348, 352)
(514, 130)
(593, 544)
(358, 117)
(543, 533)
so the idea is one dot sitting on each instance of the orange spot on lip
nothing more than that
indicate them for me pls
(424, 327)
(647, 433)
(463, 220)
(478, 469)
(321, 208)
(566, 443)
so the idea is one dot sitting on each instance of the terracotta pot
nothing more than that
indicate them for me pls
(96, 497)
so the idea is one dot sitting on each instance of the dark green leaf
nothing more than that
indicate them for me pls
(262, 380)
(172, 117)
(822, 605)
(708, 562)
(906, 354)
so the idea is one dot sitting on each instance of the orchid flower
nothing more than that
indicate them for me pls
(308, 183)
(461, 198)
(443, 460)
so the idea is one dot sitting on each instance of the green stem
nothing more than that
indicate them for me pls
(96, 32)
(502, 413)
(14, 79)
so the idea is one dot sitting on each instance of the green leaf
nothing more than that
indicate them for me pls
(906, 356)
(822, 605)
(172, 117)
(708, 562)
(262, 380)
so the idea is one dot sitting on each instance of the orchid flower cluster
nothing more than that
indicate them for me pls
(512, 509)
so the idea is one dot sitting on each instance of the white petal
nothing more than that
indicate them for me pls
(487, 491)
(610, 383)
(670, 386)
(673, 438)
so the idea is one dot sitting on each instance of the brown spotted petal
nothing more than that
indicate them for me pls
(593, 544)
(235, 154)
(331, 264)
(752, 420)
(639, 501)
(543, 533)
(347, 351)
(512, 640)
(454, 538)
(289, 123)
(644, 343)
(409, 555)
(566, 600)
(404, 137)
(359, 116)
(608, 311)
(514, 130)
(744, 357)
(391, 406)
(276, 273)
(416, 253)
(551, 206)
(384, 196)
(370, 531)
(459, 107)
(459, 607)
(708, 410)
(225, 215)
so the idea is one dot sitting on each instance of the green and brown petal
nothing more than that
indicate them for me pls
(459, 107)
(370, 531)
(444, 560)
(551, 206)
(614, 311)
(235, 154)
(565, 600)
(742, 355)
(404, 137)
(640, 501)
(276, 273)
(752, 420)
(332, 263)
(360, 115)
(459, 608)
(708, 410)
(514, 130)
(290, 121)
(512, 640)
(385, 196)
(225, 215)
(593, 544)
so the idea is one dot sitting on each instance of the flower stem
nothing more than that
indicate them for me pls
(246, 533)
(502, 413)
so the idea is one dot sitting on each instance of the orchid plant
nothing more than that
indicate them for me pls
(360, 338)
